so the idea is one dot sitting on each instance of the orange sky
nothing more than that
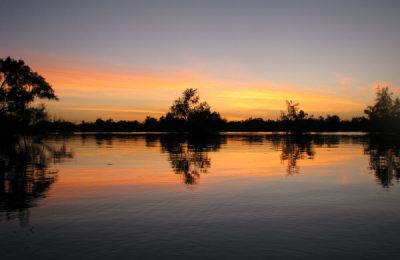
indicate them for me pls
(91, 90)
(130, 60)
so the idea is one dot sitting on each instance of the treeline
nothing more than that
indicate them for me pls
(21, 88)
(188, 114)
(327, 124)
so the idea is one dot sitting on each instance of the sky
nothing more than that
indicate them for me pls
(130, 59)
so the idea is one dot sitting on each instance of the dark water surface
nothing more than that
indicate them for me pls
(257, 196)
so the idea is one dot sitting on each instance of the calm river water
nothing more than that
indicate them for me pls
(233, 196)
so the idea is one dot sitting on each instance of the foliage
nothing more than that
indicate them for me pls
(20, 87)
(294, 118)
(183, 106)
(190, 114)
(384, 115)
(293, 112)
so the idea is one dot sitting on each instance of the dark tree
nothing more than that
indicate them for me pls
(384, 115)
(184, 105)
(383, 104)
(293, 112)
(150, 123)
(20, 87)
(294, 119)
(187, 113)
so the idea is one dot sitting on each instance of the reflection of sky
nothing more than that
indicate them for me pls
(127, 60)
(127, 162)
(120, 196)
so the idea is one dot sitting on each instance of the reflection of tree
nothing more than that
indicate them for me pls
(26, 174)
(102, 139)
(294, 149)
(299, 147)
(384, 154)
(252, 139)
(189, 155)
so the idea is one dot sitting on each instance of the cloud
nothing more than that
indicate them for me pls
(346, 81)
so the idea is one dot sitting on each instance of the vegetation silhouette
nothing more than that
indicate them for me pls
(294, 118)
(26, 174)
(385, 113)
(187, 113)
(19, 88)
(188, 155)
(384, 158)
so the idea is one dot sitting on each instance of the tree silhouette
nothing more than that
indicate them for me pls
(293, 112)
(383, 104)
(294, 118)
(186, 104)
(19, 88)
(385, 113)
(187, 113)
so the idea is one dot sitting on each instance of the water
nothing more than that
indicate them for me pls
(174, 197)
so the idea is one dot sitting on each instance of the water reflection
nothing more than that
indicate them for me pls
(139, 199)
(26, 174)
(294, 148)
(104, 139)
(188, 155)
(383, 151)
(27, 165)
(384, 158)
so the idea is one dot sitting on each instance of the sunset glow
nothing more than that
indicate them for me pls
(87, 93)
(245, 59)
(199, 129)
